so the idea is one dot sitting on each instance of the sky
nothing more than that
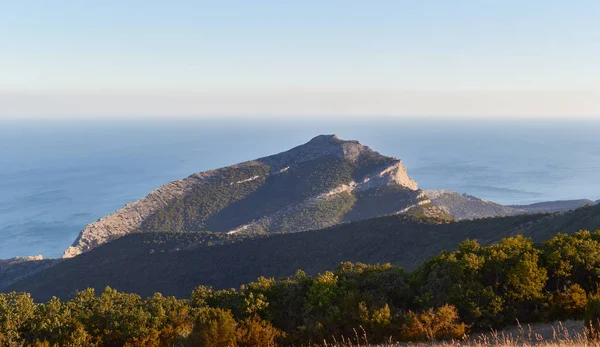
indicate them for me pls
(84, 58)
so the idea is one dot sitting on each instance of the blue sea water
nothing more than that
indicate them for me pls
(56, 177)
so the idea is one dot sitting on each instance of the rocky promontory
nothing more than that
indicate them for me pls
(312, 185)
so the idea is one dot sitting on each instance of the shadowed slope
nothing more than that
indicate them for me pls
(164, 262)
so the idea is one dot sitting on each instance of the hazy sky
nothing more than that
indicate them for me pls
(134, 57)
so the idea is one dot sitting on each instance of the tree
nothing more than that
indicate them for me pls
(322, 310)
(17, 310)
(513, 271)
(170, 318)
(55, 324)
(286, 305)
(573, 259)
(375, 321)
(214, 327)
(455, 278)
(113, 318)
(229, 299)
(382, 284)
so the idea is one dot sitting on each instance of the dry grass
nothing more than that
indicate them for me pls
(562, 334)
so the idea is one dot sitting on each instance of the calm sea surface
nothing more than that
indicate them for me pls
(56, 177)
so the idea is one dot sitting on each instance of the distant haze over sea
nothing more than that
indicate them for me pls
(56, 177)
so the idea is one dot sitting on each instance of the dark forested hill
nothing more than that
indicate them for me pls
(322, 183)
(174, 263)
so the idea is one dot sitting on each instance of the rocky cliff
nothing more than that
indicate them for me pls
(129, 218)
(323, 182)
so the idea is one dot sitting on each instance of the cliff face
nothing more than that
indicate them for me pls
(129, 218)
(318, 184)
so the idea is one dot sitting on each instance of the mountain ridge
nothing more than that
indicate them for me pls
(464, 206)
(325, 171)
(327, 179)
(556, 205)
(325, 184)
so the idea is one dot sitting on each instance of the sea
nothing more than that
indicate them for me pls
(56, 176)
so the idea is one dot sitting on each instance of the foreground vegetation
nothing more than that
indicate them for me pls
(473, 289)
(560, 334)
(567, 334)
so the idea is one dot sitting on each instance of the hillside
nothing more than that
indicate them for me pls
(555, 206)
(14, 269)
(174, 263)
(464, 206)
(473, 290)
(324, 182)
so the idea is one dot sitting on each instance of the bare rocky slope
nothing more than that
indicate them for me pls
(324, 182)
(464, 206)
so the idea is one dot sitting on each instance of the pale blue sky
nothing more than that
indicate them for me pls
(206, 55)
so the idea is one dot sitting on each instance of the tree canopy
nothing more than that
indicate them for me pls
(473, 288)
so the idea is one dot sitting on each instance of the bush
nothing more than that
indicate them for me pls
(255, 332)
(375, 321)
(569, 304)
(440, 324)
(592, 317)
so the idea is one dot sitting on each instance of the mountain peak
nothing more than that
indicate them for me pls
(265, 194)
(327, 138)
(319, 146)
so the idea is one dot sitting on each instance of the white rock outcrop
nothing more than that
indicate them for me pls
(130, 217)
